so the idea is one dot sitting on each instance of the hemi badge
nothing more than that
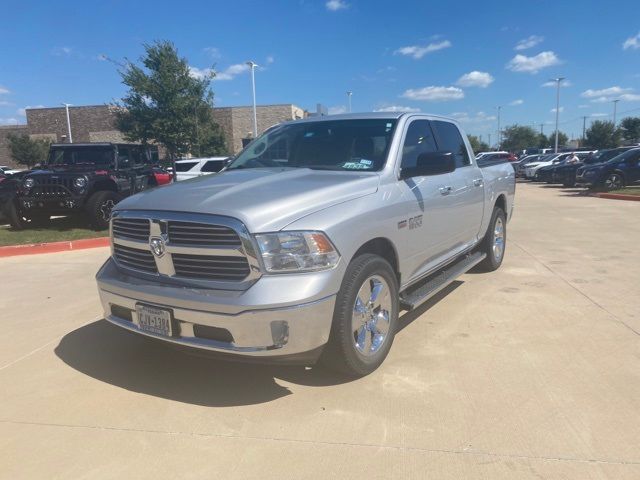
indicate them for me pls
(402, 224)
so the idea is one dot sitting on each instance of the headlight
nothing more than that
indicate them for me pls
(29, 182)
(80, 182)
(297, 251)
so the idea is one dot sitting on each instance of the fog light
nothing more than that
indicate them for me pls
(279, 333)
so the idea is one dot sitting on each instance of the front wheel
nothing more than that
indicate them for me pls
(365, 317)
(99, 207)
(494, 242)
(614, 182)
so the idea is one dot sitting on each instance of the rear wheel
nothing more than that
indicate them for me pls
(365, 317)
(614, 181)
(494, 242)
(99, 207)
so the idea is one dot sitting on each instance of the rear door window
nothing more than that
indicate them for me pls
(212, 166)
(450, 140)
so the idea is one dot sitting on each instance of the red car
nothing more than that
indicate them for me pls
(162, 176)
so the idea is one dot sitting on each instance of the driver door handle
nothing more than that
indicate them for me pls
(477, 182)
(445, 190)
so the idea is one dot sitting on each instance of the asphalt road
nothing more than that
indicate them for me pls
(529, 372)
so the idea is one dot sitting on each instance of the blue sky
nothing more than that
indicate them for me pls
(454, 58)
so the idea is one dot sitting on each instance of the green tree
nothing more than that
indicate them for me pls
(562, 139)
(518, 137)
(630, 128)
(477, 145)
(167, 104)
(602, 134)
(542, 141)
(26, 151)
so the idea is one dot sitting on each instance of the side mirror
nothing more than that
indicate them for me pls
(431, 163)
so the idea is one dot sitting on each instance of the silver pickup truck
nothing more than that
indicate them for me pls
(310, 242)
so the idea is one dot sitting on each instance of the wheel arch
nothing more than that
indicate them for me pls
(103, 185)
(501, 202)
(384, 248)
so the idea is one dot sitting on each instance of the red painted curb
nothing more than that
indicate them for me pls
(35, 248)
(619, 196)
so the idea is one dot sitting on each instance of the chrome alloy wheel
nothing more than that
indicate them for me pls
(371, 315)
(498, 239)
(613, 182)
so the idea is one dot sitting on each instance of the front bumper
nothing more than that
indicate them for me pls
(60, 204)
(262, 322)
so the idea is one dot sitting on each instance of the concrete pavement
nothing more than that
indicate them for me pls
(529, 372)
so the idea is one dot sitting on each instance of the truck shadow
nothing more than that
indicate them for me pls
(152, 367)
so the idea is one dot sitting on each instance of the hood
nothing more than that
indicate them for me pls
(264, 199)
(72, 169)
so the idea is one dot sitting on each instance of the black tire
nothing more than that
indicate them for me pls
(341, 352)
(19, 220)
(493, 261)
(99, 208)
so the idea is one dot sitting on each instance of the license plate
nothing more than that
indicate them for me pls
(154, 320)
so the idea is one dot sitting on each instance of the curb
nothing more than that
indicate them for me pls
(619, 196)
(35, 248)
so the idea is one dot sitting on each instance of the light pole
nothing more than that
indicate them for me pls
(66, 107)
(349, 93)
(252, 66)
(499, 132)
(615, 108)
(557, 80)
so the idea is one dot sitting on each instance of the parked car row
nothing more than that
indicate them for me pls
(608, 169)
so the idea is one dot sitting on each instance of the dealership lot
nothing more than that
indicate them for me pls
(532, 371)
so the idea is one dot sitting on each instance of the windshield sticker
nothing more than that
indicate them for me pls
(362, 164)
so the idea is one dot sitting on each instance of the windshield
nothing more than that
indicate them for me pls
(323, 145)
(81, 156)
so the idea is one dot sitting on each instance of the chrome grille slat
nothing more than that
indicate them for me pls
(208, 250)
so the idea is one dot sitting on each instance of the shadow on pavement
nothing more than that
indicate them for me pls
(152, 367)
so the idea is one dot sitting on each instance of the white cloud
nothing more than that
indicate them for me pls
(417, 51)
(337, 110)
(612, 93)
(553, 110)
(335, 5)
(584, 106)
(396, 108)
(434, 94)
(479, 117)
(632, 43)
(4, 90)
(475, 79)
(528, 42)
(599, 115)
(61, 51)
(4, 103)
(22, 111)
(213, 52)
(517, 102)
(228, 73)
(522, 63)
(270, 59)
(8, 121)
(551, 83)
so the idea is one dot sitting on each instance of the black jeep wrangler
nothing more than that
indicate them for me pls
(84, 178)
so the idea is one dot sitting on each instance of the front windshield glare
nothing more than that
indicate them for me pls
(323, 145)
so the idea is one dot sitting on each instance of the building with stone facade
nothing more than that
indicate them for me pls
(96, 123)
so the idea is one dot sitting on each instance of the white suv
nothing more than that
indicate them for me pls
(195, 167)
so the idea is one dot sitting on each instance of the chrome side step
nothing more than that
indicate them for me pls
(427, 288)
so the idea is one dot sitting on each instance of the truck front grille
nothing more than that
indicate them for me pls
(52, 186)
(210, 268)
(204, 250)
(188, 233)
(135, 228)
(134, 258)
